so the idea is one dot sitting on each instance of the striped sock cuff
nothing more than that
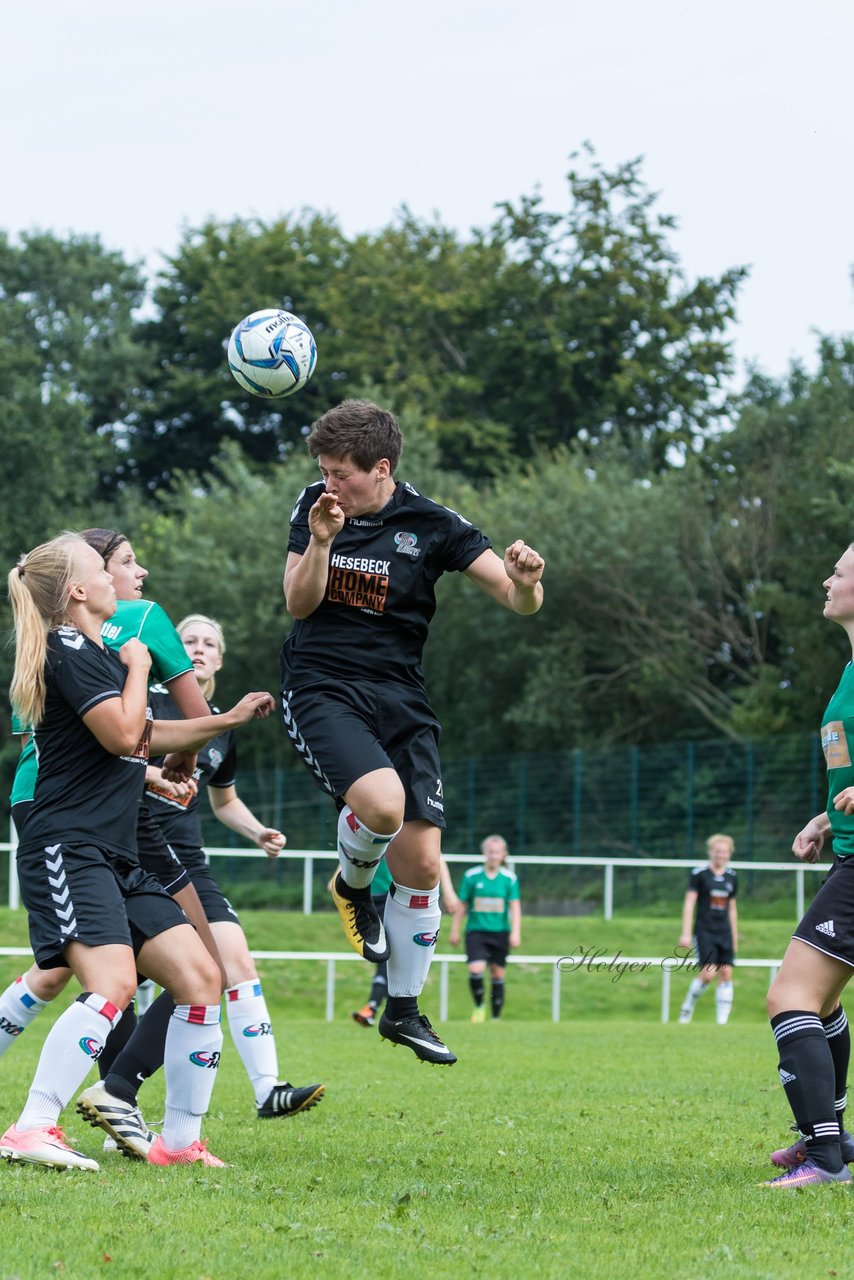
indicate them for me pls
(207, 1015)
(243, 990)
(835, 1024)
(26, 997)
(795, 1024)
(101, 1005)
(827, 1129)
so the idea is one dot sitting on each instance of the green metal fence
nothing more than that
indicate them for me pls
(658, 801)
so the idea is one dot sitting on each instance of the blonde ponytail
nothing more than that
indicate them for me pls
(38, 591)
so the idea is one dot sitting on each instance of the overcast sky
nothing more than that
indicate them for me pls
(133, 121)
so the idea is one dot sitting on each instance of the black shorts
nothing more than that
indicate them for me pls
(714, 946)
(489, 945)
(341, 732)
(80, 893)
(156, 856)
(215, 904)
(828, 923)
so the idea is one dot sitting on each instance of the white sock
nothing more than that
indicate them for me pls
(73, 1043)
(412, 919)
(193, 1048)
(360, 850)
(18, 1007)
(723, 1002)
(695, 990)
(252, 1033)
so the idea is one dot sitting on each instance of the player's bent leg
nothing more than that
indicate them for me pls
(24, 999)
(368, 822)
(179, 962)
(252, 1030)
(36, 1137)
(412, 919)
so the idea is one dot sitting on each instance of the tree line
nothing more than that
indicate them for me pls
(556, 376)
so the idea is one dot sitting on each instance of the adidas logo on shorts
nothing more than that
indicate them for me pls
(826, 928)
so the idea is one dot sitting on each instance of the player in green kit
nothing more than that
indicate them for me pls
(808, 1021)
(491, 895)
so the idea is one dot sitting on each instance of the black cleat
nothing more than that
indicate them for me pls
(363, 928)
(416, 1033)
(287, 1100)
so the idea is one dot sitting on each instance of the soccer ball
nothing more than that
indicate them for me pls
(272, 353)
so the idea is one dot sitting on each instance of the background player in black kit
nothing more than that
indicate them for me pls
(712, 890)
(364, 554)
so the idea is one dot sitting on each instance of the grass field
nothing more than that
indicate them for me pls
(605, 1146)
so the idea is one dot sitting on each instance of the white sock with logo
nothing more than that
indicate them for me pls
(360, 850)
(695, 990)
(412, 918)
(73, 1044)
(18, 1007)
(193, 1048)
(252, 1033)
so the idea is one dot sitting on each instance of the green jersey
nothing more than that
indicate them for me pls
(144, 620)
(488, 898)
(837, 742)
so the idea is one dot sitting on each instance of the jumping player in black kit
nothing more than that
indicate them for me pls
(364, 554)
(712, 890)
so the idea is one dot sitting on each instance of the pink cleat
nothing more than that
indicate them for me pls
(196, 1153)
(808, 1174)
(43, 1146)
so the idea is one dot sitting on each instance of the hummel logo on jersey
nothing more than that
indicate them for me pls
(826, 928)
(786, 1077)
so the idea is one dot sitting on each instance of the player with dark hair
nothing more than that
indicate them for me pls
(490, 895)
(711, 890)
(176, 811)
(807, 1018)
(364, 554)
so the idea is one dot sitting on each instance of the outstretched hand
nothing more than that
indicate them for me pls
(325, 519)
(523, 565)
(252, 706)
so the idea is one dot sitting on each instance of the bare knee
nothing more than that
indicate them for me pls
(199, 981)
(46, 984)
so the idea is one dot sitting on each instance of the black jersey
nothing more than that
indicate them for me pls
(380, 591)
(83, 792)
(216, 764)
(714, 894)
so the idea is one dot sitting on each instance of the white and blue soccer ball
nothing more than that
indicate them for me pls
(272, 353)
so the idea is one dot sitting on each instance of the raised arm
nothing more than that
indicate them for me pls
(237, 816)
(305, 575)
(191, 735)
(514, 581)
